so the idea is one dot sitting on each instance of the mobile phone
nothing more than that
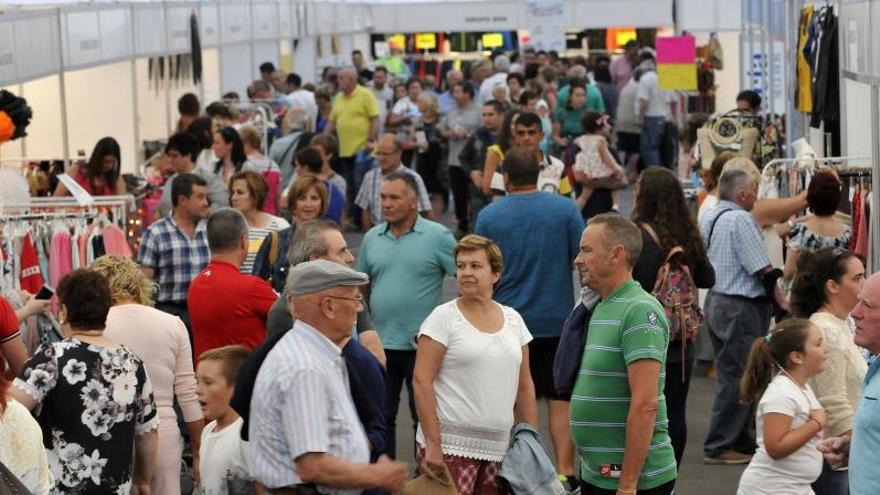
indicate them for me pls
(45, 293)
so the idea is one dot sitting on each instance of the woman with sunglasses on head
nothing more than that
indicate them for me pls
(825, 290)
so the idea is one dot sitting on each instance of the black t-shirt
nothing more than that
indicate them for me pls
(651, 258)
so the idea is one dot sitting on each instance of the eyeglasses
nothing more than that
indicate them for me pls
(359, 298)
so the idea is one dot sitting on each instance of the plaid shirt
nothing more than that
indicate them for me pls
(175, 258)
(736, 251)
(370, 195)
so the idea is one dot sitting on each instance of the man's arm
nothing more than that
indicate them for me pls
(330, 128)
(374, 128)
(148, 272)
(643, 376)
(326, 470)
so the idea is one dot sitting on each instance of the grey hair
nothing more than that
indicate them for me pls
(732, 182)
(226, 227)
(307, 241)
(577, 72)
(502, 63)
(260, 85)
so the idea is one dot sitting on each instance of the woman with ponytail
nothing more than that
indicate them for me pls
(789, 418)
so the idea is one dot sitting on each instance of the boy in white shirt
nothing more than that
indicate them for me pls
(224, 459)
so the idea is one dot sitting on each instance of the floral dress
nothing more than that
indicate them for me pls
(803, 239)
(93, 401)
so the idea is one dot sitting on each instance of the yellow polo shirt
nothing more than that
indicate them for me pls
(352, 115)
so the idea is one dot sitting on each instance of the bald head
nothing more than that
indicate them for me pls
(388, 153)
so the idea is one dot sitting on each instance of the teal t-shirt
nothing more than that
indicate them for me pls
(595, 102)
(628, 326)
(406, 277)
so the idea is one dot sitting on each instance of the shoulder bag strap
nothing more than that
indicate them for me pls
(712, 229)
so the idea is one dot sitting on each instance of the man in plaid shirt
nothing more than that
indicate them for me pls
(174, 249)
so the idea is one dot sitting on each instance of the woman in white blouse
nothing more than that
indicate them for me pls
(825, 289)
(471, 378)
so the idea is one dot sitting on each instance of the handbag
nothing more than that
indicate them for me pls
(10, 484)
(431, 484)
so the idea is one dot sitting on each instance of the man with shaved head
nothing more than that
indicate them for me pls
(355, 120)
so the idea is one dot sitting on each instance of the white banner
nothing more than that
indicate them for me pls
(545, 20)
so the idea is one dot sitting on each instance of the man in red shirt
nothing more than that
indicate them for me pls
(227, 307)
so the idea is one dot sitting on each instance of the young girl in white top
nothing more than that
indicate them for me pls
(789, 418)
(594, 160)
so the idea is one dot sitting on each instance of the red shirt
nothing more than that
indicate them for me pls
(8, 322)
(227, 307)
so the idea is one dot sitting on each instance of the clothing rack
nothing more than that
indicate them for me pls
(118, 207)
(48, 216)
(839, 163)
(259, 114)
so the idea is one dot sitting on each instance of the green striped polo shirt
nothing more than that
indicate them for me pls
(627, 326)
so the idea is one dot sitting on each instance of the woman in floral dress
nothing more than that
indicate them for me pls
(97, 412)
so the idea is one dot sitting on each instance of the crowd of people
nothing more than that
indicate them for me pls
(248, 339)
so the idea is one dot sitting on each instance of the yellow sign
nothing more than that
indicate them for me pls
(426, 41)
(622, 37)
(673, 77)
(493, 40)
(397, 40)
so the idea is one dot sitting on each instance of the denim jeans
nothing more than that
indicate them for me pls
(733, 323)
(831, 482)
(651, 139)
(398, 371)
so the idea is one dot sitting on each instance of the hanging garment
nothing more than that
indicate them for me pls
(826, 99)
(115, 241)
(31, 277)
(60, 258)
(75, 260)
(804, 73)
(856, 218)
(861, 249)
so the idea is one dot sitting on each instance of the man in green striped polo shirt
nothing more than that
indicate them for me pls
(618, 411)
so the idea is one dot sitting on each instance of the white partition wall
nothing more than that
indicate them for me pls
(99, 104)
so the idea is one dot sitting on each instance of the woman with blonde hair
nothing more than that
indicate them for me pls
(471, 380)
(162, 342)
(428, 157)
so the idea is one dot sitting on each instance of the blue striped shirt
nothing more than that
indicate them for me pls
(175, 258)
(736, 250)
(302, 404)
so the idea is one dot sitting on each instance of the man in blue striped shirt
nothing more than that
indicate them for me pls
(304, 427)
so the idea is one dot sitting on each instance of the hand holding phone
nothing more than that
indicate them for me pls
(46, 293)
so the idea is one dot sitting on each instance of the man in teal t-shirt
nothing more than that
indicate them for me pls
(618, 411)
(407, 258)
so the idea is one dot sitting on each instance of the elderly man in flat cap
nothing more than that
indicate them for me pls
(304, 428)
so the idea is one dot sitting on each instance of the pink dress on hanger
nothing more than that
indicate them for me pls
(115, 241)
(60, 260)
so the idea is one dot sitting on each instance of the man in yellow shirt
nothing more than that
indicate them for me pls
(355, 120)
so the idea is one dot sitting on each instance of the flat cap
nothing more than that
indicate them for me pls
(317, 276)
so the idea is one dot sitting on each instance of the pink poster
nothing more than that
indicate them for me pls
(676, 50)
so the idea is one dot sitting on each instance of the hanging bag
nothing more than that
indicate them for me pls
(10, 484)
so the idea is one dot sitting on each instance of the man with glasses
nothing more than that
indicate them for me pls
(369, 196)
(305, 433)
(738, 311)
(407, 258)
(529, 135)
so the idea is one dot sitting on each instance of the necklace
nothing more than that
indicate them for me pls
(92, 333)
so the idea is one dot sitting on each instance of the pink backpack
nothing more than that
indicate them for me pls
(677, 293)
